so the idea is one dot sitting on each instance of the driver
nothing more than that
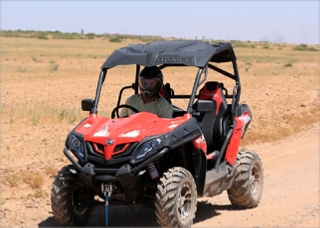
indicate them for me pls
(149, 100)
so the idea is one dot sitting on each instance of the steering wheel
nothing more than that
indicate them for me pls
(115, 110)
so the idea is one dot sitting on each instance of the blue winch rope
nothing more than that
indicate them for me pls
(107, 210)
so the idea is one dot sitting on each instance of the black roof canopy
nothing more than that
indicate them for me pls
(177, 52)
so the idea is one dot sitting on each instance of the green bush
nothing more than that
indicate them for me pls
(65, 36)
(54, 66)
(90, 36)
(42, 36)
(288, 65)
(236, 43)
(115, 39)
(304, 47)
(9, 33)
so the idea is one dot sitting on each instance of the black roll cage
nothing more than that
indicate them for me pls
(164, 54)
(235, 96)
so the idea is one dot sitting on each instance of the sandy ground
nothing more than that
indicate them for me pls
(291, 166)
(290, 197)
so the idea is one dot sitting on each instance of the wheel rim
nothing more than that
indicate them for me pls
(255, 178)
(184, 201)
(78, 191)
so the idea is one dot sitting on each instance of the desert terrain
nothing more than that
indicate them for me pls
(43, 82)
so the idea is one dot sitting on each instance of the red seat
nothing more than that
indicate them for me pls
(166, 92)
(214, 123)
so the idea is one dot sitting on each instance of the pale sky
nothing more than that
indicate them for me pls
(273, 21)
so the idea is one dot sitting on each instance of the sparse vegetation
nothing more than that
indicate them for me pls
(90, 36)
(304, 47)
(54, 66)
(42, 113)
(42, 84)
(32, 178)
(242, 44)
(40, 35)
(21, 69)
(12, 179)
(115, 39)
(44, 35)
(288, 64)
(51, 171)
(65, 36)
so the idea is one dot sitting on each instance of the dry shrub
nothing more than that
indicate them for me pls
(12, 179)
(40, 106)
(38, 193)
(289, 124)
(32, 178)
(50, 171)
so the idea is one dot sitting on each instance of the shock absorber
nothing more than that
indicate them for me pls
(153, 171)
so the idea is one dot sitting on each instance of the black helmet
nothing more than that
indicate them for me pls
(150, 81)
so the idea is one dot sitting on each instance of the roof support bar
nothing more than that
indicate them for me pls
(194, 90)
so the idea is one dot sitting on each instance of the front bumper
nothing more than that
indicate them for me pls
(112, 174)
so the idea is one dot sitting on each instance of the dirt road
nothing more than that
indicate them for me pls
(43, 82)
(290, 197)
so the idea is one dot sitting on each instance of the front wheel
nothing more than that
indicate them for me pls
(68, 199)
(176, 198)
(247, 187)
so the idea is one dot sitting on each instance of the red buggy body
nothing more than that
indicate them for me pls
(170, 160)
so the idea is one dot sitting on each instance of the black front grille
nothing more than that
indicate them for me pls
(116, 161)
(100, 147)
(92, 152)
(119, 148)
(126, 152)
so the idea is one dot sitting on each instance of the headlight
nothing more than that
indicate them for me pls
(148, 147)
(77, 146)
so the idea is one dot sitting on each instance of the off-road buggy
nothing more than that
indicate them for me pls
(172, 161)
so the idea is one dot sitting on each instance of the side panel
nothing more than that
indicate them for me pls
(200, 168)
(241, 122)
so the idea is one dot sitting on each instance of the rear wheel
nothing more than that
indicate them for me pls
(247, 187)
(176, 198)
(68, 199)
